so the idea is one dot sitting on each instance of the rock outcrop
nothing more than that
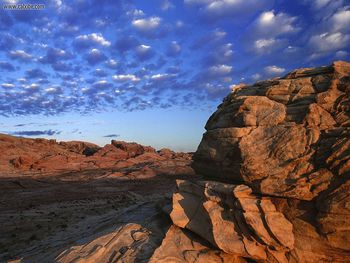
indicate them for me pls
(285, 137)
(129, 243)
(272, 184)
(276, 166)
(232, 219)
(78, 202)
(182, 246)
(40, 156)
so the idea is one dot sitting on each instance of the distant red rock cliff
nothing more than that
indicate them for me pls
(24, 156)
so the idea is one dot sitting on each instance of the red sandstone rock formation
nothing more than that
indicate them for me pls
(23, 156)
(277, 154)
(275, 161)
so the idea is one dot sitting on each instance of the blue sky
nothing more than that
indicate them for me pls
(151, 71)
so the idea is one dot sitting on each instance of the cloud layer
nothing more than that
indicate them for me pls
(92, 56)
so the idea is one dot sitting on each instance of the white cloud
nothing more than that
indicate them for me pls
(65, 27)
(324, 9)
(111, 63)
(226, 50)
(219, 34)
(100, 22)
(135, 13)
(266, 18)
(95, 38)
(147, 24)
(53, 90)
(341, 54)
(267, 32)
(58, 3)
(256, 76)
(100, 83)
(160, 77)
(220, 70)
(272, 25)
(341, 20)
(321, 3)
(179, 24)
(94, 51)
(191, 2)
(12, 2)
(144, 52)
(175, 46)
(20, 54)
(174, 49)
(291, 49)
(32, 87)
(126, 77)
(332, 33)
(264, 43)
(327, 42)
(236, 9)
(143, 48)
(7, 85)
(167, 5)
(274, 70)
(219, 6)
(265, 46)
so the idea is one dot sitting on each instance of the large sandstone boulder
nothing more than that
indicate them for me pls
(284, 137)
(80, 147)
(180, 246)
(128, 243)
(132, 148)
(276, 163)
(232, 219)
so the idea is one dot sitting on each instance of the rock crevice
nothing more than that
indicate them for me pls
(275, 161)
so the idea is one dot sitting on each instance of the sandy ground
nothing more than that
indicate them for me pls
(42, 215)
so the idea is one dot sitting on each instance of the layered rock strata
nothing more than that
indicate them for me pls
(285, 137)
(276, 165)
(28, 157)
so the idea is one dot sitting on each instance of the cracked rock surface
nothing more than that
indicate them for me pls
(271, 184)
(275, 161)
(285, 137)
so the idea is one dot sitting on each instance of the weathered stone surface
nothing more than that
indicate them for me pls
(283, 145)
(129, 243)
(276, 165)
(41, 156)
(274, 135)
(182, 246)
(232, 219)
(333, 216)
(248, 111)
(132, 148)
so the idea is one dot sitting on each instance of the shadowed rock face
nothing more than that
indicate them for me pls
(276, 157)
(182, 246)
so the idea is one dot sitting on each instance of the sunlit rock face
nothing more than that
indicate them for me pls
(48, 157)
(272, 184)
(231, 218)
(284, 137)
(275, 161)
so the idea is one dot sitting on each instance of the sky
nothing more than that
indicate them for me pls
(151, 71)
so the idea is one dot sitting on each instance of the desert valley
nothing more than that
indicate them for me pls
(269, 182)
